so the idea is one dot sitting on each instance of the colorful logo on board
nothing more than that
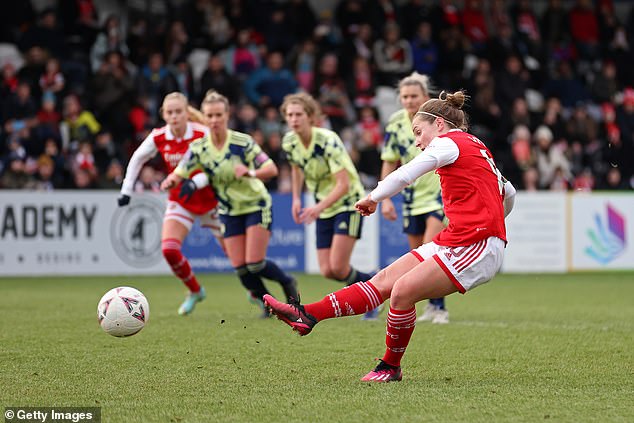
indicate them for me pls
(607, 237)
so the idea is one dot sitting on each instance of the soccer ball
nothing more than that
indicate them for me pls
(123, 311)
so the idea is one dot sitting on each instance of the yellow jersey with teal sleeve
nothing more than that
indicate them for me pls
(236, 196)
(325, 156)
(423, 196)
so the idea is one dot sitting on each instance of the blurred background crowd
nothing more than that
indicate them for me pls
(550, 81)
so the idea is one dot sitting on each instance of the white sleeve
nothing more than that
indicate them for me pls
(509, 197)
(143, 153)
(201, 180)
(440, 152)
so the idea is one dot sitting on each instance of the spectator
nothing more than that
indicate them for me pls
(605, 85)
(424, 50)
(452, 54)
(486, 111)
(276, 31)
(584, 29)
(154, 82)
(268, 85)
(112, 91)
(147, 181)
(216, 78)
(177, 42)
(45, 173)
(303, 59)
(301, 19)
(270, 123)
(113, 177)
(549, 159)
(15, 175)
(362, 86)
(218, 27)
(554, 25)
(82, 126)
(242, 58)
(52, 80)
(9, 82)
(20, 110)
(45, 34)
(246, 119)
(392, 56)
(330, 92)
(527, 29)
(110, 38)
(474, 25)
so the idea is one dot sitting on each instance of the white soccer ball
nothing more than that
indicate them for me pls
(123, 311)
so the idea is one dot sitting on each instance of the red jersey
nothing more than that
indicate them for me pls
(172, 150)
(472, 194)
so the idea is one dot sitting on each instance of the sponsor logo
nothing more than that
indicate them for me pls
(135, 232)
(607, 237)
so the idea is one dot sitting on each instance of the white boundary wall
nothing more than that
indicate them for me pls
(84, 232)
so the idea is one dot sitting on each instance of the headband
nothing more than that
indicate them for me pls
(436, 116)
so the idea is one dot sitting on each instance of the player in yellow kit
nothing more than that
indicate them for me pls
(422, 203)
(319, 159)
(235, 166)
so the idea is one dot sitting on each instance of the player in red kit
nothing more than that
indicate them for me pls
(467, 253)
(171, 142)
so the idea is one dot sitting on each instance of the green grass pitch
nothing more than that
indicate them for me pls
(523, 348)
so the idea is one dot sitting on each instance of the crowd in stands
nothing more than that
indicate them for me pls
(551, 82)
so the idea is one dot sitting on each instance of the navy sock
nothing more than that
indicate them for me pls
(438, 302)
(357, 276)
(269, 270)
(251, 282)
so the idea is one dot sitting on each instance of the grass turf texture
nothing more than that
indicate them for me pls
(520, 349)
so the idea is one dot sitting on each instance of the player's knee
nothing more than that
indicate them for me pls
(256, 268)
(401, 299)
(171, 249)
(339, 272)
(172, 255)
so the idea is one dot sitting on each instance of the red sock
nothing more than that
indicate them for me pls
(400, 326)
(179, 264)
(353, 299)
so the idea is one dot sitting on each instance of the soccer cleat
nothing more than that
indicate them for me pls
(384, 372)
(293, 315)
(190, 302)
(441, 317)
(429, 313)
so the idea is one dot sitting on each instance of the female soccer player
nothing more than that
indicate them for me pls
(462, 256)
(236, 166)
(172, 141)
(319, 158)
(422, 204)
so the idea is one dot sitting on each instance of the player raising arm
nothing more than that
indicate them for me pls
(172, 141)
(236, 167)
(465, 254)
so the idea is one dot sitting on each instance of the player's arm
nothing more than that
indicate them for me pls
(509, 197)
(143, 153)
(387, 206)
(297, 185)
(263, 167)
(439, 153)
(342, 185)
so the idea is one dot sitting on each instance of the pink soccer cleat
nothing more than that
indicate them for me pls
(384, 372)
(293, 315)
